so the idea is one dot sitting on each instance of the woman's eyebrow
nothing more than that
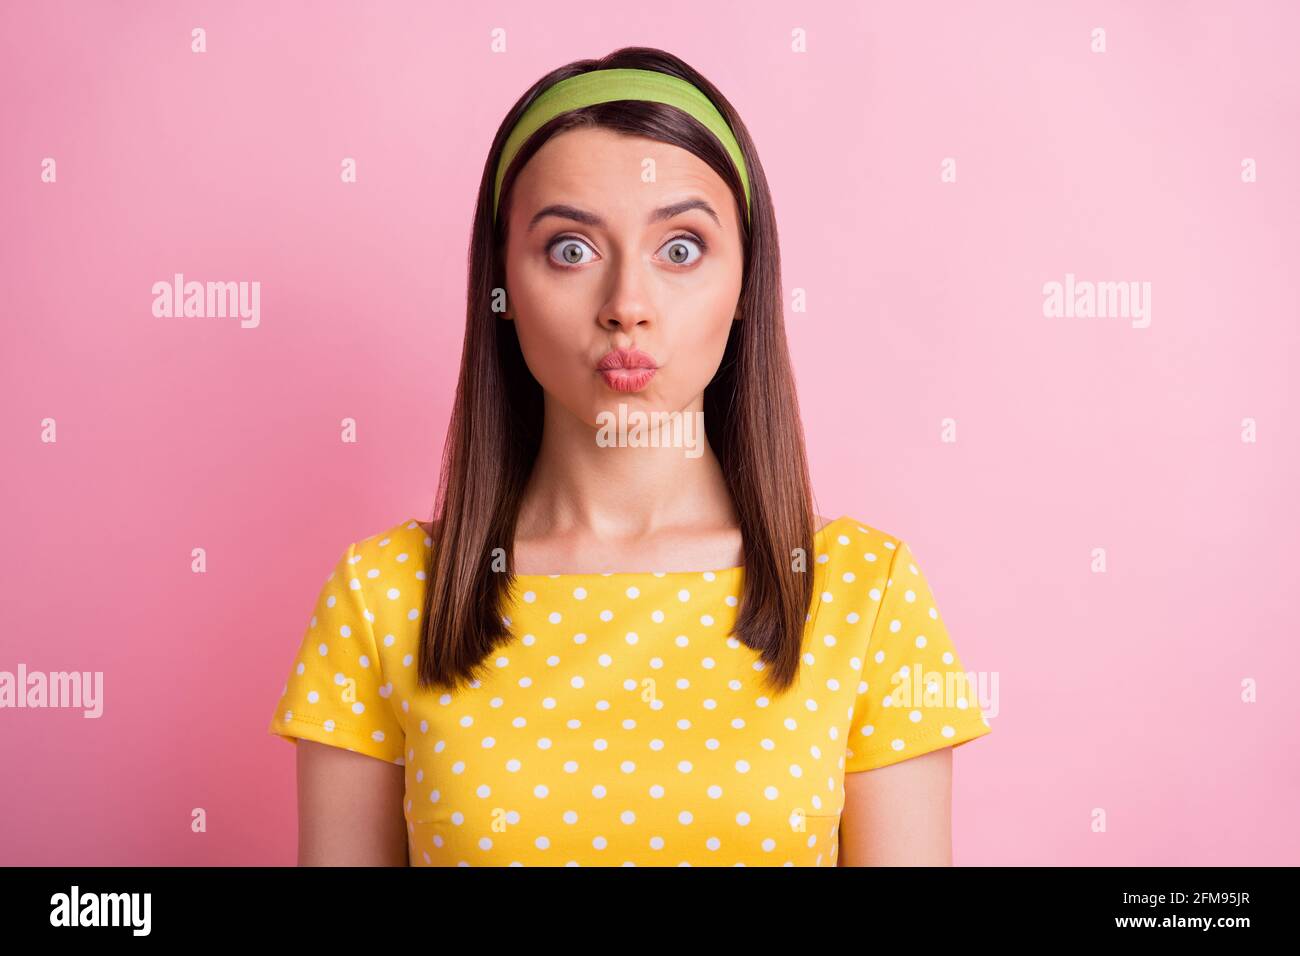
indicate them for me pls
(565, 211)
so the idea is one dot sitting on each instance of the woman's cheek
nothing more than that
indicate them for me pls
(548, 348)
(710, 329)
(539, 351)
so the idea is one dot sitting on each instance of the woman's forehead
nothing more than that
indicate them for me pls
(587, 165)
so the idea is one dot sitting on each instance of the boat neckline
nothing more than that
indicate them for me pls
(717, 572)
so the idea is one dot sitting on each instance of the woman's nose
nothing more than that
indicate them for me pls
(628, 305)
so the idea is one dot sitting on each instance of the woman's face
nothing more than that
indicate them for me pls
(597, 259)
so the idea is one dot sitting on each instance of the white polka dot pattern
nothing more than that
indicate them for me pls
(337, 693)
(913, 695)
(622, 723)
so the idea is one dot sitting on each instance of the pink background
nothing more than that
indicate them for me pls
(1118, 691)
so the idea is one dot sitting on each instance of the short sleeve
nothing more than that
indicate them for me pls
(913, 695)
(336, 693)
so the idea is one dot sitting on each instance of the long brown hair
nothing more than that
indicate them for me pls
(750, 410)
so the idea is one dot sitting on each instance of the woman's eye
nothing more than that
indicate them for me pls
(679, 250)
(570, 251)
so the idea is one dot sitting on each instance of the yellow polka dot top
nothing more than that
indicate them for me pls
(622, 724)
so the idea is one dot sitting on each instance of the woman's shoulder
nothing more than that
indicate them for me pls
(849, 544)
(391, 557)
(408, 534)
(845, 528)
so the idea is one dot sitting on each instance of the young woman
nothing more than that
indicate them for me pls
(619, 645)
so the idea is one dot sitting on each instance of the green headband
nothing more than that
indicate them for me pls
(604, 86)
